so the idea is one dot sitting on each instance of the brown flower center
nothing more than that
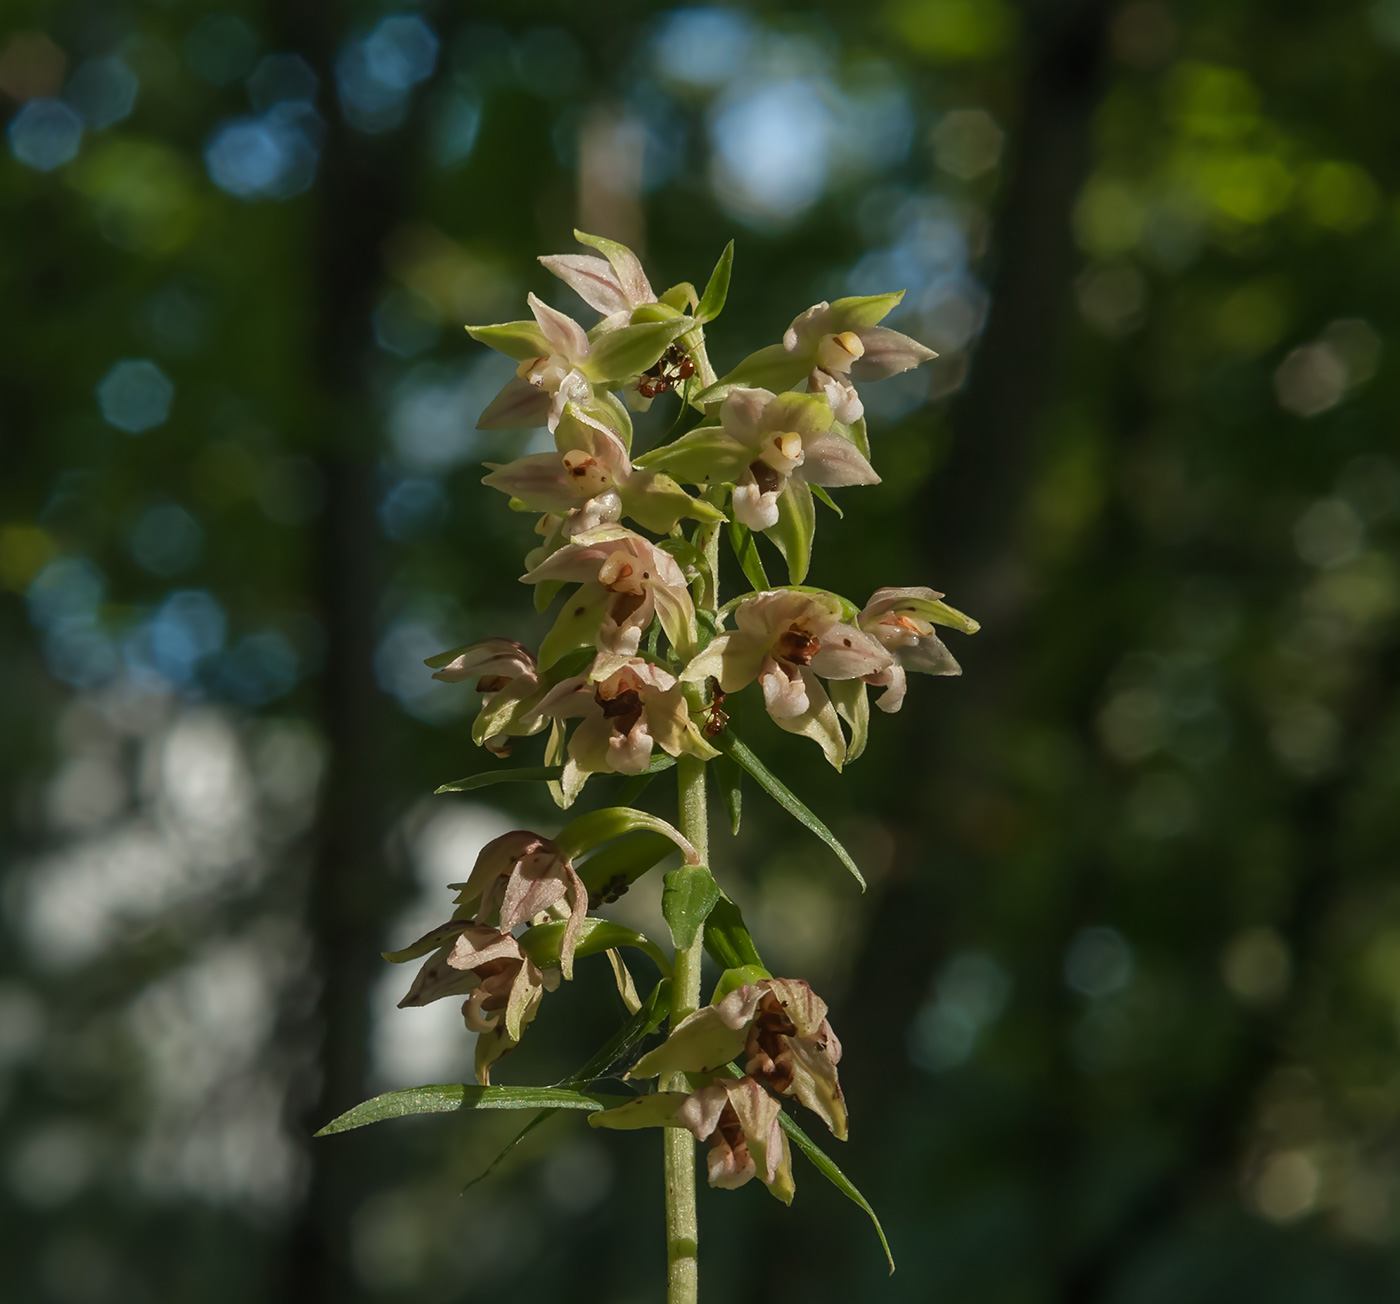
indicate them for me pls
(765, 1053)
(623, 710)
(797, 646)
(765, 477)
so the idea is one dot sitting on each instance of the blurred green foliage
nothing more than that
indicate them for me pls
(1121, 1006)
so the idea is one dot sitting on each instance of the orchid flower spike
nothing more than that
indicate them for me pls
(615, 285)
(504, 986)
(738, 1119)
(627, 712)
(780, 1028)
(590, 481)
(506, 673)
(903, 621)
(786, 640)
(625, 581)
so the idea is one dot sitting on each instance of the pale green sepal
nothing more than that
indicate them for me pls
(852, 701)
(717, 288)
(576, 625)
(658, 311)
(680, 297)
(599, 826)
(447, 1097)
(439, 937)
(795, 528)
(607, 408)
(734, 978)
(656, 502)
(542, 942)
(521, 340)
(700, 1043)
(628, 351)
(706, 455)
(856, 433)
(656, 1110)
(546, 591)
(772, 368)
(859, 310)
(689, 894)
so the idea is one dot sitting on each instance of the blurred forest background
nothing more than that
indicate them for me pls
(1122, 1005)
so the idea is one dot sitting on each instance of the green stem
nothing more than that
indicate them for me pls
(682, 1223)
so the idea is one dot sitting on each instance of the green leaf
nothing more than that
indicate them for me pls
(629, 350)
(521, 340)
(541, 943)
(452, 1096)
(717, 288)
(618, 866)
(686, 901)
(729, 779)
(770, 783)
(727, 939)
(826, 1166)
(598, 826)
(826, 498)
(796, 526)
(732, 979)
(746, 550)
(521, 774)
(639, 1026)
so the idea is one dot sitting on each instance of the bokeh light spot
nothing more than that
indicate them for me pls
(167, 539)
(220, 48)
(135, 396)
(1099, 962)
(702, 49)
(103, 91)
(270, 157)
(45, 134)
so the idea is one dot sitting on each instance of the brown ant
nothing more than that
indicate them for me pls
(715, 717)
(674, 366)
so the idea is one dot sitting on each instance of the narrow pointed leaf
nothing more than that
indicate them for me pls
(826, 498)
(746, 550)
(620, 1044)
(727, 939)
(795, 529)
(598, 826)
(826, 1166)
(717, 288)
(487, 778)
(729, 779)
(448, 1097)
(770, 783)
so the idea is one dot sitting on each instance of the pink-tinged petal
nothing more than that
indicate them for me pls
(832, 462)
(677, 615)
(478, 946)
(488, 658)
(566, 337)
(887, 599)
(539, 481)
(742, 414)
(437, 979)
(519, 406)
(784, 690)
(592, 279)
(849, 653)
(569, 698)
(771, 613)
(589, 743)
(495, 860)
(574, 563)
(887, 353)
(701, 1110)
(807, 328)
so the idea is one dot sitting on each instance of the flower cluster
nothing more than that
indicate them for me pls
(641, 653)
